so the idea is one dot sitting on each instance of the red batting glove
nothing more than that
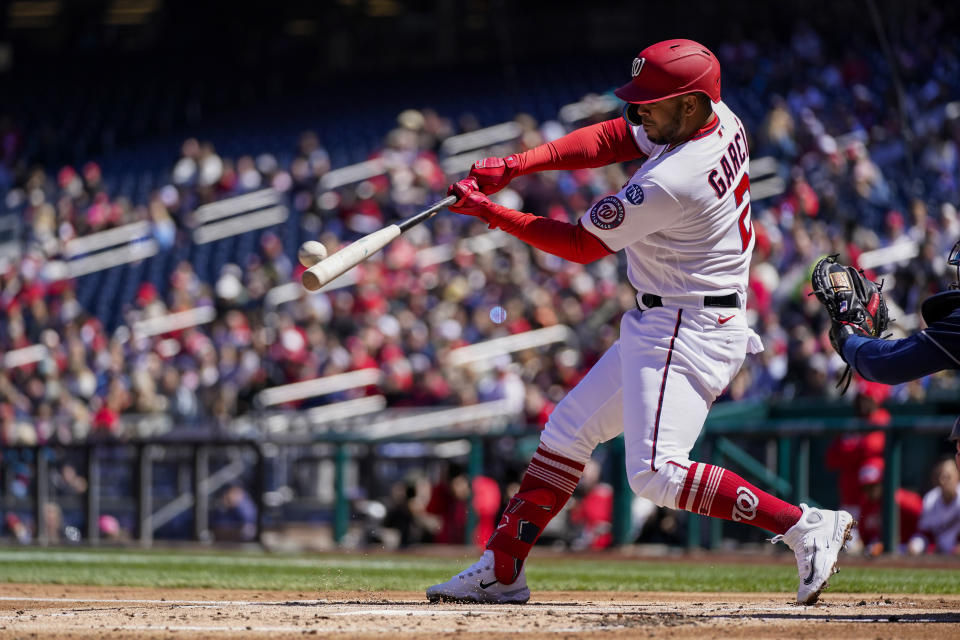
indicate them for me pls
(471, 201)
(493, 174)
(462, 189)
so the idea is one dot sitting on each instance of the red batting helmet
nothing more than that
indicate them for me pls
(672, 68)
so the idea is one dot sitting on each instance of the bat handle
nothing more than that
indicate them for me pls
(413, 221)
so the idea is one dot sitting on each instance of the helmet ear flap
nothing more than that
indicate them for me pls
(631, 114)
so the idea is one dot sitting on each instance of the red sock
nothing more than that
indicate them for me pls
(719, 493)
(546, 486)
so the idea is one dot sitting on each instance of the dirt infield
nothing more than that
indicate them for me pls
(44, 611)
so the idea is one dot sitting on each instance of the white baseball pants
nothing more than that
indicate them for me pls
(654, 385)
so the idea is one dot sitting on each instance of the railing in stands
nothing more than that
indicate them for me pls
(270, 467)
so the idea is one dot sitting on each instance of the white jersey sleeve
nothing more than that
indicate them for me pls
(642, 207)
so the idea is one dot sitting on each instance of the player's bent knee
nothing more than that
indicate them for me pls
(661, 486)
(561, 437)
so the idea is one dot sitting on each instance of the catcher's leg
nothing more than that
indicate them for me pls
(591, 413)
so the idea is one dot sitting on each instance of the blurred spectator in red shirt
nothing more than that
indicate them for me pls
(591, 514)
(448, 501)
(909, 504)
(847, 454)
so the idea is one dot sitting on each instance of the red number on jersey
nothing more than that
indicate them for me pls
(746, 225)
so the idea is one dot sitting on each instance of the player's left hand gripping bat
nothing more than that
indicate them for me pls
(353, 254)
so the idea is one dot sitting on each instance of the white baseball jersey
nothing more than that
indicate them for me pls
(941, 520)
(683, 219)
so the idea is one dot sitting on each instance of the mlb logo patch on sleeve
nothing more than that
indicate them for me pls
(608, 213)
(634, 194)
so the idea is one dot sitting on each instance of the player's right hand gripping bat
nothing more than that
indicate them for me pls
(353, 254)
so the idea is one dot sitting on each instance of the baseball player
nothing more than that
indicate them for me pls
(683, 221)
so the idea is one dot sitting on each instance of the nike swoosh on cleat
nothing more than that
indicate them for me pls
(489, 584)
(723, 320)
(813, 566)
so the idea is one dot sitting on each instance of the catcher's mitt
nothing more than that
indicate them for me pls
(854, 303)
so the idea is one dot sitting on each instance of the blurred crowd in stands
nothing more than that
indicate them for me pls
(859, 174)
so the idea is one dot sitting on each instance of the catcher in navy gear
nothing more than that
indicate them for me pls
(894, 361)
(933, 349)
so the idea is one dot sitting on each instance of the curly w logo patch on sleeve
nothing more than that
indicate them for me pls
(607, 213)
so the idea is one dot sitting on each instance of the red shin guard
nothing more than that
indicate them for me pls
(547, 485)
(717, 492)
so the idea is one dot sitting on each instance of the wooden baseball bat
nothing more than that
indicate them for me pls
(353, 254)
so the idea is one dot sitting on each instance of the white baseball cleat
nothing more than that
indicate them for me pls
(816, 539)
(478, 584)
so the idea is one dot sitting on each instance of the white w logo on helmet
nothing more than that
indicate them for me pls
(637, 65)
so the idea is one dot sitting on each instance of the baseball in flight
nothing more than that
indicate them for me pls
(311, 252)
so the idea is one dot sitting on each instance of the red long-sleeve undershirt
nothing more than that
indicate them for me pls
(595, 146)
(568, 241)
